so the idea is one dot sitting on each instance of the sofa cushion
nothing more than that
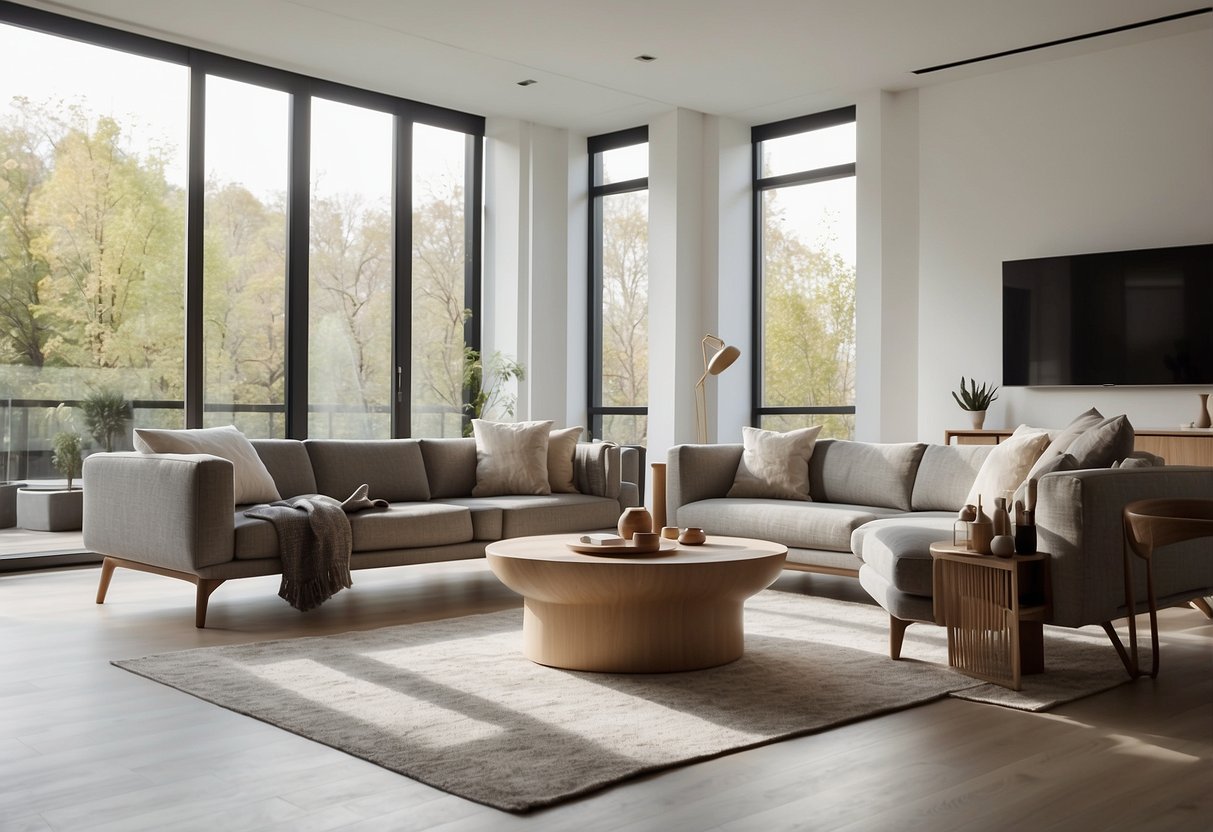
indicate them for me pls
(864, 473)
(410, 526)
(802, 525)
(450, 466)
(523, 515)
(255, 539)
(562, 445)
(486, 516)
(399, 526)
(251, 481)
(1103, 444)
(393, 468)
(774, 465)
(945, 475)
(511, 458)
(1063, 439)
(289, 465)
(1007, 466)
(901, 552)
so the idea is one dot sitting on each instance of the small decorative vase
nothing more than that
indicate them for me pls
(978, 417)
(1025, 535)
(692, 536)
(981, 532)
(634, 519)
(1001, 519)
(1003, 545)
(1202, 419)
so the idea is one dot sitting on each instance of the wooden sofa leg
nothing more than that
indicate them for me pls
(1203, 605)
(107, 572)
(897, 632)
(205, 587)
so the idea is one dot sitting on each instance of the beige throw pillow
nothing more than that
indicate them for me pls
(562, 444)
(251, 480)
(1007, 466)
(775, 465)
(511, 458)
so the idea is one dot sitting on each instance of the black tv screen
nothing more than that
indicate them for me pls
(1118, 317)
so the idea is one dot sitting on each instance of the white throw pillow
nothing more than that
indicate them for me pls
(1007, 466)
(775, 465)
(251, 480)
(562, 444)
(511, 458)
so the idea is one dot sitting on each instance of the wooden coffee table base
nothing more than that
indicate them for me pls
(629, 638)
(679, 610)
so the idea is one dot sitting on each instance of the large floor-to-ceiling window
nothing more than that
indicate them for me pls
(804, 273)
(221, 242)
(619, 286)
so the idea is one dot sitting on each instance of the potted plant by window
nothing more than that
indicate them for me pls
(106, 414)
(976, 400)
(53, 509)
(484, 380)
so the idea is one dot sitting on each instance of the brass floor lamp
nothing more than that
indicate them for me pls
(721, 360)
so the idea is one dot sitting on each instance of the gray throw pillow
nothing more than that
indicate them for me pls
(1100, 446)
(1063, 439)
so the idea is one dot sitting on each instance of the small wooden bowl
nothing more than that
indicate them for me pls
(669, 532)
(692, 536)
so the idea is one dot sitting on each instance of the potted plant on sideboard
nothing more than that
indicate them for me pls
(55, 509)
(976, 400)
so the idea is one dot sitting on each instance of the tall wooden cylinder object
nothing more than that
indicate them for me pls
(658, 495)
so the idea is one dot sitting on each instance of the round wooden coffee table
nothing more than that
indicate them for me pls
(679, 609)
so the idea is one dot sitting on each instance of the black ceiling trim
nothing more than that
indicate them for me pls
(1100, 33)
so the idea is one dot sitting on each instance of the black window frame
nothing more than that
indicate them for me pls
(759, 134)
(595, 147)
(302, 88)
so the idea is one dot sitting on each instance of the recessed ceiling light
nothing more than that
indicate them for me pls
(646, 59)
(527, 82)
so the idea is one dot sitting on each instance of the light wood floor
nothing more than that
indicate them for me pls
(84, 745)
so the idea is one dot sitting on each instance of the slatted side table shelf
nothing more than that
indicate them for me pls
(994, 609)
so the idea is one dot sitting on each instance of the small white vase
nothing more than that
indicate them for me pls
(978, 417)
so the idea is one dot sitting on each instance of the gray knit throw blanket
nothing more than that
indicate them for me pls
(314, 543)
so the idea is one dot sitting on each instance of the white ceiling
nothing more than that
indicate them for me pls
(754, 60)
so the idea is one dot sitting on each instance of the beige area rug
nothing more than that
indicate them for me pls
(454, 704)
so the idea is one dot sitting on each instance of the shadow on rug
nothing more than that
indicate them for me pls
(455, 705)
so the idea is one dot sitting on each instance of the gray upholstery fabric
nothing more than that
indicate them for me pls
(939, 522)
(594, 469)
(699, 472)
(1100, 446)
(802, 525)
(864, 473)
(393, 468)
(359, 560)
(486, 517)
(410, 526)
(945, 475)
(255, 538)
(901, 554)
(1078, 519)
(550, 514)
(450, 466)
(289, 465)
(818, 558)
(895, 602)
(171, 510)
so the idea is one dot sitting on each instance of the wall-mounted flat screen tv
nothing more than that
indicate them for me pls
(1118, 317)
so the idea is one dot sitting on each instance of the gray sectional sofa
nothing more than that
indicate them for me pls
(877, 508)
(173, 514)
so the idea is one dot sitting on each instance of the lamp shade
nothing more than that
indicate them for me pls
(723, 358)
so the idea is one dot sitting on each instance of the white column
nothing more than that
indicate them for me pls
(728, 282)
(676, 297)
(886, 303)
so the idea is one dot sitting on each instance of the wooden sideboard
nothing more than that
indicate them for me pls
(1178, 446)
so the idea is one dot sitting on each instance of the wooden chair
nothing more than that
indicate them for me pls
(1149, 525)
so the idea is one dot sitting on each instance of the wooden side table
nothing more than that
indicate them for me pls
(994, 609)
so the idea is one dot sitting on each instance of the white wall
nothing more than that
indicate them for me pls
(1105, 151)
